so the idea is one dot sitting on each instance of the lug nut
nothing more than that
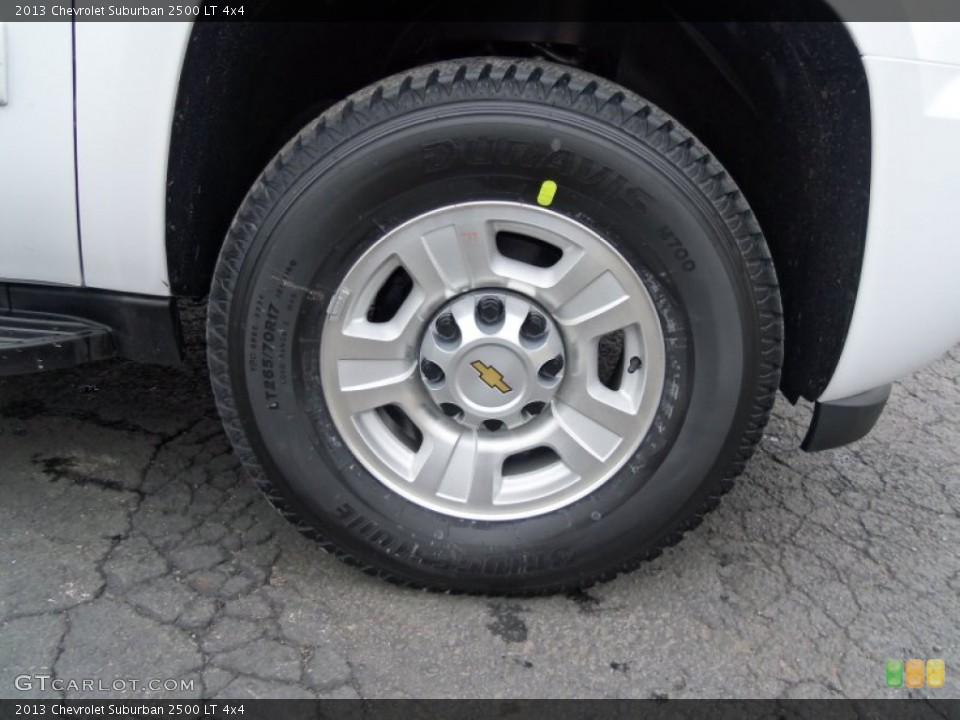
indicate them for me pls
(431, 371)
(451, 410)
(447, 328)
(489, 310)
(534, 326)
(534, 408)
(552, 367)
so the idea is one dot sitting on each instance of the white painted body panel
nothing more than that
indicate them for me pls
(907, 311)
(38, 212)
(930, 41)
(127, 79)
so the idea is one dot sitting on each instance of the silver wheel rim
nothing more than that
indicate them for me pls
(394, 415)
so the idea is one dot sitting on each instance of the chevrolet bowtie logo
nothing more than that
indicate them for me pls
(491, 376)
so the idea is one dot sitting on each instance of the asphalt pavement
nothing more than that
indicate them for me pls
(132, 548)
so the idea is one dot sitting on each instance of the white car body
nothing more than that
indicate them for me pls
(96, 217)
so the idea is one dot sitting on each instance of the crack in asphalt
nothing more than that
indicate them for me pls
(134, 547)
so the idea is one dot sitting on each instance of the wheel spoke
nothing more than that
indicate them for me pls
(575, 271)
(599, 405)
(431, 260)
(600, 307)
(452, 258)
(363, 340)
(369, 384)
(615, 316)
(465, 469)
(456, 478)
(487, 473)
(580, 461)
(589, 298)
(581, 442)
(477, 242)
(434, 459)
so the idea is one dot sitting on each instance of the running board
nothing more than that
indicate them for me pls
(35, 341)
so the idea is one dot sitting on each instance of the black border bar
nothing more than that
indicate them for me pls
(919, 709)
(454, 10)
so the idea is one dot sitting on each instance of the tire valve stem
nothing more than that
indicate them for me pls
(548, 191)
(635, 364)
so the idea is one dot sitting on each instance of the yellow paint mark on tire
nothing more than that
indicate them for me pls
(547, 191)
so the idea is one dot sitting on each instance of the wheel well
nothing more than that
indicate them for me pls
(784, 106)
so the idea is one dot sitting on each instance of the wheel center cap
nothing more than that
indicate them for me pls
(491, 359)
(494, 378)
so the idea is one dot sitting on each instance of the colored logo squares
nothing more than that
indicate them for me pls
(911, 673)
(936, 672)
(894, 673)
(914, 673)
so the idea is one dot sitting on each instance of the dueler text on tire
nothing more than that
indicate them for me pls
(494, 326)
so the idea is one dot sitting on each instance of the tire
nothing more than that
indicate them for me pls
(309, 252)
